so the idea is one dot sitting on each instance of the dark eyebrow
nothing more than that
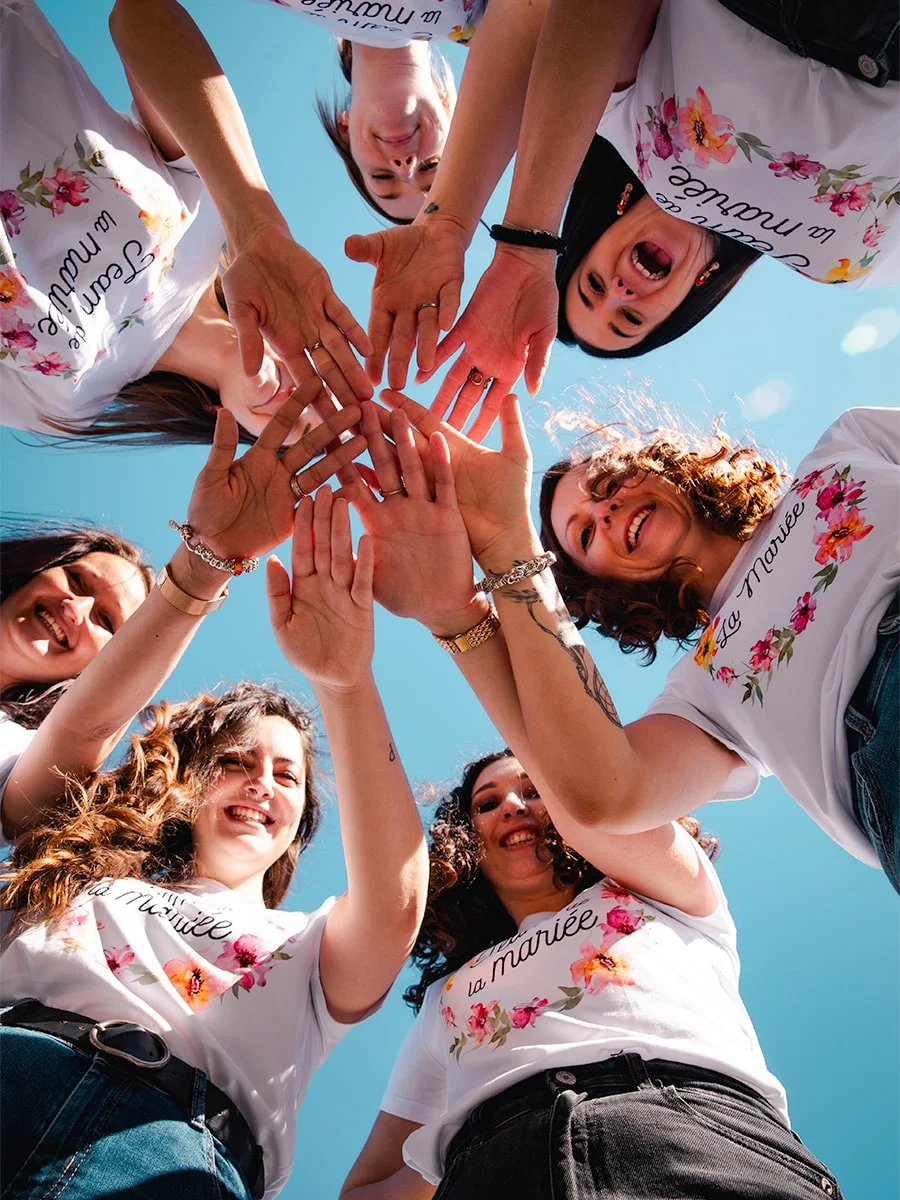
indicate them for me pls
(618, 332)
(484, 787)
(385, 195)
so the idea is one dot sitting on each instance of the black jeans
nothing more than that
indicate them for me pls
(860, 39)
(624, 1129)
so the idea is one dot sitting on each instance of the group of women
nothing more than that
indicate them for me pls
(579, 1027)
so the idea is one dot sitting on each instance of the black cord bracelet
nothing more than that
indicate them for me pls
(536, 239)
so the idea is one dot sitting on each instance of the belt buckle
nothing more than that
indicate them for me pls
(101, 1027)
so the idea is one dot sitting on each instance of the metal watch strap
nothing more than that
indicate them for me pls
(462, 643)
(517, 572)
(182, 600)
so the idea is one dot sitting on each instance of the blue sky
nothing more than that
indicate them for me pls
(819, 933)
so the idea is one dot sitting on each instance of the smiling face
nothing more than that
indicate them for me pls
(53, 626)
(635, 534)
(509, 817)
(254, 398)
(635, 276)
(249, 817)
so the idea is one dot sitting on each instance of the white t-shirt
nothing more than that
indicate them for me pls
(610, 973)
(13, 740)
(389, 24)
(731, 130)
(232, 987)
(104, 248)
(794, 625)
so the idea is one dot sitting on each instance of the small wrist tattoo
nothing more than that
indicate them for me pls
(430, 208)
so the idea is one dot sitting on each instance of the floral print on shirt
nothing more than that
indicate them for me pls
(690, 132)
(840, 501)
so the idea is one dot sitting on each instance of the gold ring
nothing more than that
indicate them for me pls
(428, 304)
(400, 491)
(313, 349)
(297, 489)
(476, 377)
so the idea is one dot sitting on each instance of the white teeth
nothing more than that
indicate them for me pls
(635, 527)
(518, 839)
(52, 624)
(251, 815)
(639, 266)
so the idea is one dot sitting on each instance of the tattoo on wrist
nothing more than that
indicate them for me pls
(594, 687)
(430, 208)
(392, 753)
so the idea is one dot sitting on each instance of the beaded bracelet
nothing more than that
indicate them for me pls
(234, 566)
(535, 239)
(518, 572)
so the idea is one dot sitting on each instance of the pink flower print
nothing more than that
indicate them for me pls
(664, 131)
(804, 612)
(49, 364)
(478, 1021)
(610, 890)
(642, 152)
(16, 334)
(726, 675)
(12, 211)
(73, 919)
(811, 482)
(247, 957)
(65, 187)
(621, 921)
(847, 527)
(449, 1018)
(118, 957)
(840, 493)
(846, 196)
(763, 652)
(12, 289)
(792, 165)
(706, 133)
(874, 233)
(524, 1015)
(599, 967)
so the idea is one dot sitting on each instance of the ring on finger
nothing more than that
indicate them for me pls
(316, 346)
(428, 304)
(475, 376)
(297, 489)
(400, 491)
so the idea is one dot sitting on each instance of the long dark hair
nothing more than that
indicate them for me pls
(27, 548)
(159, 409)
(463, 914)
(591, 211)
(137, 820)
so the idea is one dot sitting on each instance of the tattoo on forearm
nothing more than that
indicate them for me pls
(591, 681)
(392, 753)
(430, 208)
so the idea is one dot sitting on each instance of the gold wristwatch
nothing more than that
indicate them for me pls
(462, 643)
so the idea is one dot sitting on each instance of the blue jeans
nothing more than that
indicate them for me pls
(872, 724)
(74, 1125)
(860, 38)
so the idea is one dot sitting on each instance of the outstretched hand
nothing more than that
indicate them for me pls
(508, 327)
(322, 614)
(419, 271)
(277, 290)
(423, 562)
(493, 487)
(245, 507)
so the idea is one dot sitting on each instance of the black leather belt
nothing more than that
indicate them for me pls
(145, 1054)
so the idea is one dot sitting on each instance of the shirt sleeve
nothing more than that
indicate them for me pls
(873, 430)
(417, 1088)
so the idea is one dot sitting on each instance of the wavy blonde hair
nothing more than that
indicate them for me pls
(136, 821)
(731, 489)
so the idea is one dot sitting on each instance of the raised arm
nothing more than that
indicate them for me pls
(322, 616)
(238, 509)
(274, 288)
(379, 1172)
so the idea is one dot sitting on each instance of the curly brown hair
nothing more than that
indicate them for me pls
(731, 490)
(463, 913)
(136, 821)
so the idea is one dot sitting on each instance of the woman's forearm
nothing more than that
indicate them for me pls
(373, 928)
(485, 126)
(91, 717)
(584, 49)
(175, 70)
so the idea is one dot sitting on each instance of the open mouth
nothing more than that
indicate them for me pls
(53, 626)
(520, 837)
(247, 815)
(651, 261)
(635, 525)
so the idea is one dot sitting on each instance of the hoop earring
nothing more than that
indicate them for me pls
(705, 274)
(624, 198)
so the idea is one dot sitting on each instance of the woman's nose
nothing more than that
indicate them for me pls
(513, 806)
(404, 165)
(76, 609)
(604, 509)
(259, 783)
(621, 286)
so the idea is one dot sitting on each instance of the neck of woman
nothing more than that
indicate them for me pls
(544, 897)
(719, 553)
(205, 346)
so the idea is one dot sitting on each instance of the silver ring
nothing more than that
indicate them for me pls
(428, 304)
(400, 491)
(297, 489)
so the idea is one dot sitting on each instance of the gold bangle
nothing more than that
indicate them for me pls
(182, 600)
(462, 643)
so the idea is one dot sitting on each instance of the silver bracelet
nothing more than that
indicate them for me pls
(516, 573)
(234, 566)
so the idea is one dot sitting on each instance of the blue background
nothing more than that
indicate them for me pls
(819, 932)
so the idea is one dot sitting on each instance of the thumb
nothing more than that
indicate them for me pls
(366, 247)
(538, 359)
(364, 572)
(224, 444)
(278, 589)
(512, 429)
